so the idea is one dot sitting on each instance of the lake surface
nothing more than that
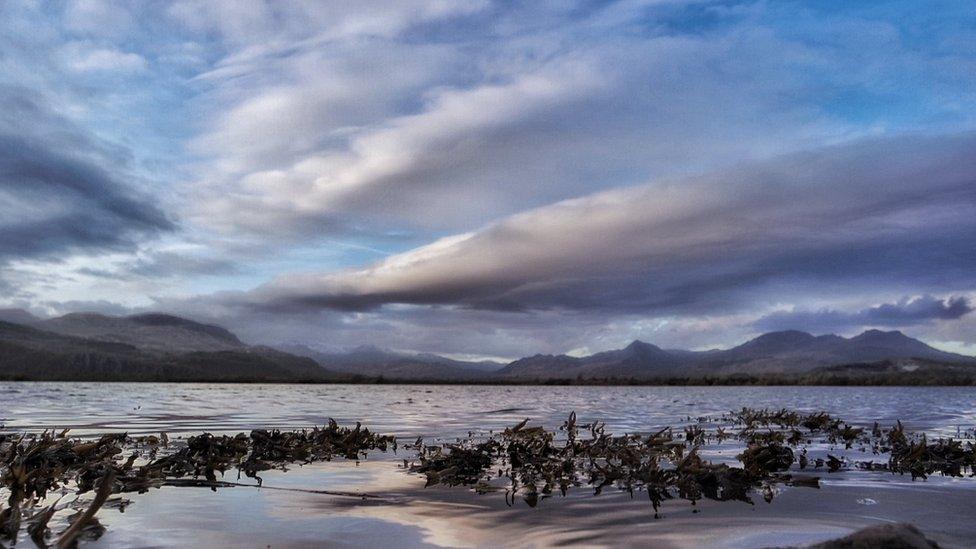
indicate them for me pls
(409, 515)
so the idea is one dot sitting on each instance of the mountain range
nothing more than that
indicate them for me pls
(373, 362)
(787, 352)
(161, 347)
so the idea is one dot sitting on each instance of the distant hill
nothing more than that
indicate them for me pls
(639, 359)
(159, 347)
(797, 352)
(786, 352)
(150, 332)
(29, 353)
(17, 316)
(902, 366)
(373, 362)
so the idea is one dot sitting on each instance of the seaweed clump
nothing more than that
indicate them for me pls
(35, 467)
(534, 463)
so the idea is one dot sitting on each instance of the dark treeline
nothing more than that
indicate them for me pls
(813, 379)
(163, 375)
(19, 363)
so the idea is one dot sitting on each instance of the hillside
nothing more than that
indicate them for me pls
(28, 353)
(17, 316)
(372, 362)
(150, 332)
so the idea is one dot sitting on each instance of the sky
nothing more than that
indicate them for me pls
(490, 178)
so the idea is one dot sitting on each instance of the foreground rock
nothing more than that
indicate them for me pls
(883, 536)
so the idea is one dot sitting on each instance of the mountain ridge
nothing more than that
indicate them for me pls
(783, 352)
(32, 354)
(157, 345)
(155, 332)
(371, 361)
(17, 316)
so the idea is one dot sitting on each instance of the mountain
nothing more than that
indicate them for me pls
(774, 343)
(17, 316)
(543, 367)
(786, 352)
(875, 343)
(485, 366)
(153, 332)
(639, 359)
(797, 352)
(159, 347)
(373, 362)
(29, 353)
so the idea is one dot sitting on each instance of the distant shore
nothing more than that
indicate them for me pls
(907, 379)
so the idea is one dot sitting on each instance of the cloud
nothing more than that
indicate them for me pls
(897, 210)
(98, 17)
(265, 25)
(83, 57)
(174, 264)
(905, 312)
(920, 309)
(100, 306)
(311, 137)
(550, 155)
(398, 162)
(56, 196)
(157, 265)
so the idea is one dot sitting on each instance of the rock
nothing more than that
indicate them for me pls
(882, 536)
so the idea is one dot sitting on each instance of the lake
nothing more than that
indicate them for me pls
(409, 515)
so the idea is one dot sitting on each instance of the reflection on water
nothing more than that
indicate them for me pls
(410, 515)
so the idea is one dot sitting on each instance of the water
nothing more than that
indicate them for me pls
(448, 410)
(412, 516)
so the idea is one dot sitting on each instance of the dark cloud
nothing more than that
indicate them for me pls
(57, 195)
(920, 309)
(905, 312)
(890, 212)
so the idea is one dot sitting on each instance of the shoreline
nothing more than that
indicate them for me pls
(731, 381)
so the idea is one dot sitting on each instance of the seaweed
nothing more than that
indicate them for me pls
(32, 467)
(527, 462)
(533, 463)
